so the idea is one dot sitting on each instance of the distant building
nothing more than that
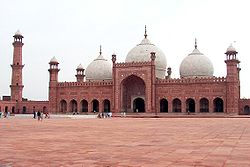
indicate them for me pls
(139, 84)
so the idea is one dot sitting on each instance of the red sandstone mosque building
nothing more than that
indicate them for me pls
(139, 84)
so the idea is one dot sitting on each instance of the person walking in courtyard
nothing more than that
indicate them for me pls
(46, 115)
(34, 114)
(39, 116)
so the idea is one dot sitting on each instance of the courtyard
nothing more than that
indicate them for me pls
(61, 141)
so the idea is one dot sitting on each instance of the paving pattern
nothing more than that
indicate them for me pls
(123, 142)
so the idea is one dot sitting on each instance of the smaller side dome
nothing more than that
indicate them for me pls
(196, 65)
(99, 69)
(80, 67)
(53, 60)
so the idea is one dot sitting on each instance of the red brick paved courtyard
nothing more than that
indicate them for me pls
(125, 142)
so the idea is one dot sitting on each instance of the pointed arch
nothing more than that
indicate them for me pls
(106, 105)
(204, 105)
(247, 110)
(73, 106)
(218, 105)
(84, 106)
(163, 105)
(13, 109)
(176, 105)
(95, 105)
(24, 109)
(45, 109)
(190, 105)
(138, 105)
(63, 106)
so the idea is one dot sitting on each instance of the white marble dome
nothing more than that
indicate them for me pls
(196, 65)
(141, 53)
(99, 69)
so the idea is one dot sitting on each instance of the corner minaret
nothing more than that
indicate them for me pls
(17, 66)
(233, 82)
(53, 71)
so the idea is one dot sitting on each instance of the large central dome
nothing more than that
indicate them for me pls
(141, 53)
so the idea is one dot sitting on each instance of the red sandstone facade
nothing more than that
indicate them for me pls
(134, 88)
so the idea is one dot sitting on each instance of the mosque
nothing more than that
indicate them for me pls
(141, 84)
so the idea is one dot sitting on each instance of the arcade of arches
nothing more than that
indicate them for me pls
(191, 105)
(84, 106)
(138, 105)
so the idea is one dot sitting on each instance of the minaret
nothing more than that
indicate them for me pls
(80, 73)
(233, 82)
(53, 71)
(17, 66)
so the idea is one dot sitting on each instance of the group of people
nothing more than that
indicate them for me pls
(40, 115)
(104, 115)
(5, 114)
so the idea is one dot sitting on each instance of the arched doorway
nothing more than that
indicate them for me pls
(63, 106)
(132, 88)
(163, 105)
(218, 105)
(176, 105)
(44, 109)
(73, 106)
(95, 105)
(84, 106)
(190, 105)
(106, 105)
(6, 109)
(24, 109)
(246, 110)
(204, 105)
(13, 109)
(138, 105)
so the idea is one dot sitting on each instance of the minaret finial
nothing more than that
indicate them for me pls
(145, 35)
(195, 44)
(100, 49)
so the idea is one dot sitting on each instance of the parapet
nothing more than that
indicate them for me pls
(88, 83)
(131, 64)
(192, 80)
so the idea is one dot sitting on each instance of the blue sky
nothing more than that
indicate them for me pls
(72, 30)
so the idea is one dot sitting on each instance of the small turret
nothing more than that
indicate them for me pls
(169, 72)
(231, 53)
(53, 70)
(80, 73)
(113, 58)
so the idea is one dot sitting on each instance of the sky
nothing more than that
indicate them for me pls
(73, 30)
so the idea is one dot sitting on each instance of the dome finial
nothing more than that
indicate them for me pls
(100, 49)
(195, 44)
(145, 35)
